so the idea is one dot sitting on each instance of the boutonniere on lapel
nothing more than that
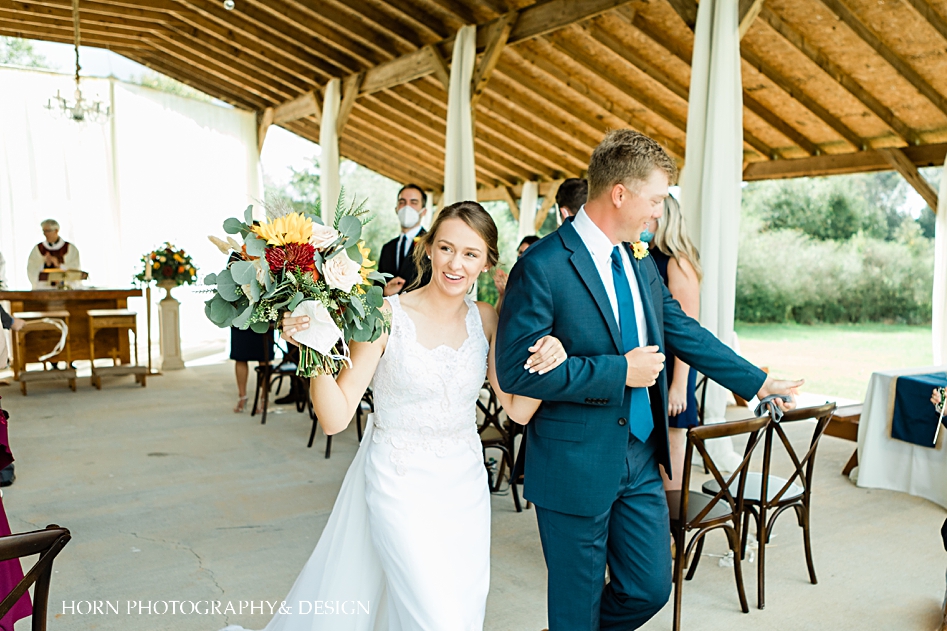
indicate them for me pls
(417, 238)
(639, 249)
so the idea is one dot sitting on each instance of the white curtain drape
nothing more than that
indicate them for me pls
(711, 190)
(165, 168)
(939, 322)
(528, 200)
(329, 144)
(460, 182)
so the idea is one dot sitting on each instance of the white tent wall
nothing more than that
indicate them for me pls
(165, 168)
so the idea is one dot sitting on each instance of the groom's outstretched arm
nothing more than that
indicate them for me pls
(701, 349)
(527, 315)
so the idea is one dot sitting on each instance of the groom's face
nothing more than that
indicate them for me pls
(640, 207)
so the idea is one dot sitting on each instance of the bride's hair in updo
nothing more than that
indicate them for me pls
(472, 214)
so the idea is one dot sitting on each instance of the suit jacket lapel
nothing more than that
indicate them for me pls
(582, 261)
(644, 288)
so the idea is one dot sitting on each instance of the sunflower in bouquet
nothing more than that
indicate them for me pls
(293, 262)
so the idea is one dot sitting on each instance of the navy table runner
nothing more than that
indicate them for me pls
(914, 417)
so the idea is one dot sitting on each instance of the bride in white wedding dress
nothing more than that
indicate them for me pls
(407, 547)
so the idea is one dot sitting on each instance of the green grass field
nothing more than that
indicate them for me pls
(835, 360)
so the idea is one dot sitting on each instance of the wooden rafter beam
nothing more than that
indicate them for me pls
(894, 60)
(928, 13)
(749, 101)
(531, 22)
(796, 92)
(837, 164)
(440, 69)
(498, 36)
(908, 170)
(687, 9)
(832, 69)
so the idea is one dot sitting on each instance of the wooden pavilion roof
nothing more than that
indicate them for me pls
(829, 86)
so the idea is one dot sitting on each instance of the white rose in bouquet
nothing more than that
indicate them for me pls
(342, 273)
(323, 236)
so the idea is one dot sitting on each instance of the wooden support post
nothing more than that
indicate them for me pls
(903, 165)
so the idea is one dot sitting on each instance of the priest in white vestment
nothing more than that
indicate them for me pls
(52, 253)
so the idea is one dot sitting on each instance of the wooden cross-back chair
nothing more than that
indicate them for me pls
(694, 511)
(47, 543)
(767, 496)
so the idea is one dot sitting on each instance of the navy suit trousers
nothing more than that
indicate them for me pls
(632, 537)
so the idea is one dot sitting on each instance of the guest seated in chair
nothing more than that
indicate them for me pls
(52, 253)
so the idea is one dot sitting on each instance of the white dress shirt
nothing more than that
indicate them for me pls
(600, 247)
(405, 241)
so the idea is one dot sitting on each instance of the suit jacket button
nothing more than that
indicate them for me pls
(622, 422)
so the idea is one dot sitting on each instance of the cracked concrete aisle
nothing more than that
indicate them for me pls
(172, 497)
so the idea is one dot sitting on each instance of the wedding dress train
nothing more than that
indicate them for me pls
(407, 546)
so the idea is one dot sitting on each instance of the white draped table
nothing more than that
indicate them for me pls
(887, 463)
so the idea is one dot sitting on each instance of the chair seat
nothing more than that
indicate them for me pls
(696, 502)
(754, 486)
(491, 434)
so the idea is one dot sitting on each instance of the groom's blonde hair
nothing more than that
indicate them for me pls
(627, 157)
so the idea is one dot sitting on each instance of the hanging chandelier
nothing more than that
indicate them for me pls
(79, 110)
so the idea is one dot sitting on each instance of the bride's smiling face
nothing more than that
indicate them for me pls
(458, 256)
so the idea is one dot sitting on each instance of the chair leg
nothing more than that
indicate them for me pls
(678, 578)
(695, 559)
(358, 424)
(762, 537)
(256, 393)
(516, 496)
(328, 446)
(733, 535)
(803, 514)
(265, 396)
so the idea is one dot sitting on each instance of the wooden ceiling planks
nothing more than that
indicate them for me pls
(821, 77)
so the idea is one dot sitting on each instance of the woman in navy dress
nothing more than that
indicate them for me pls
(679, 263)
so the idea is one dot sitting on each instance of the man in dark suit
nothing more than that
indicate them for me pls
(397, 256)
(570, 197)
(596, 441)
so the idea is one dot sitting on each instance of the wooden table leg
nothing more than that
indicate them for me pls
(851, 464)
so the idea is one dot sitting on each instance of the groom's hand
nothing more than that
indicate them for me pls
(645, 363)
(780, 386)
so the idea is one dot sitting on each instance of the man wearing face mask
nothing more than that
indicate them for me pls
(397, 256)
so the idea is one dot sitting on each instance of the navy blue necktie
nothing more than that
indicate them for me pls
(640, 422)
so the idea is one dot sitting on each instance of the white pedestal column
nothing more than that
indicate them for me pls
(169, 323)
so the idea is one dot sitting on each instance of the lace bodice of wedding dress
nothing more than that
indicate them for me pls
(427, 398)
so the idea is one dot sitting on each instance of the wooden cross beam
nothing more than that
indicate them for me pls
(549, 198)
(499, 34)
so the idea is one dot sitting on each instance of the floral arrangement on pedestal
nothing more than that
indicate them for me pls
(293, 262)
(168, 264)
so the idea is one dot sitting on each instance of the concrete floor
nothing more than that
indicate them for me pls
(170, 496)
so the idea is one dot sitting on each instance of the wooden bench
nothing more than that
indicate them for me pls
(35, 324)
(844, 424)
(123, 320)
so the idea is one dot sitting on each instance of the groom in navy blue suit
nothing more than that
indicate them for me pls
(596, 441)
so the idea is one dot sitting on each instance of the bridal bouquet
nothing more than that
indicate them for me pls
(293, 262)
